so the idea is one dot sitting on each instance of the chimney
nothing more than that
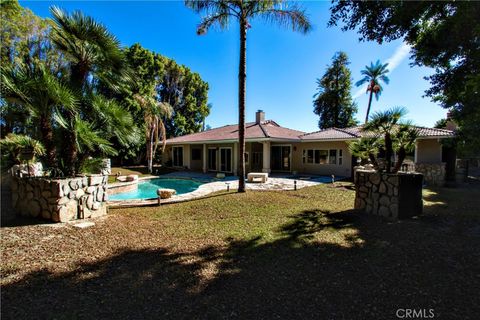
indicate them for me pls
(451, 125)
(259, 116)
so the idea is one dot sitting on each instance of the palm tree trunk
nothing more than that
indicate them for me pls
(150, 151)
(47, 138)
(388, 152)
(401, 155)
(242, 79)
(72, 154)
(369, 105)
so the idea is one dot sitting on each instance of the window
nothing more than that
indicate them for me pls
(246, 157)
(309, 156)
(177, 156)
(319, 156)
(332, 156)
(196, 154)
(340, 157)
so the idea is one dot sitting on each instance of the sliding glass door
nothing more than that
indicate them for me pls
(212, 159)
(226, 159)
(280, 158)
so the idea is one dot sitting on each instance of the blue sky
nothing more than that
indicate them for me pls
(282, 66)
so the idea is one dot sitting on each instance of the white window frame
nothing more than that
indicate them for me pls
(338, 156)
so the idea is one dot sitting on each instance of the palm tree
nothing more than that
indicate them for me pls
(219, 13)
(94, 55)
(386, 124)
(37, 89)
(366, 148)
(372, 75)
(404, 142)
(153, 113)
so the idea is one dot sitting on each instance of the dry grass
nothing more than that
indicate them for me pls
(299, 254)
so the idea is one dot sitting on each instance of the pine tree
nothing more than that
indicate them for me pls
(333, 101)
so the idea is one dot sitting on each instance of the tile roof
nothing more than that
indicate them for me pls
(271, 130)
(263, 130)
(356, 132)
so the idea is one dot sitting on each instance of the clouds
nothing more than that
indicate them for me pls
(393, 62)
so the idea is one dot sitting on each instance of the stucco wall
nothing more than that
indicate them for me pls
(343, 170)
(428, 151)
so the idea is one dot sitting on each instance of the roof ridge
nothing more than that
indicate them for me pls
(264, 130)
(344, 131)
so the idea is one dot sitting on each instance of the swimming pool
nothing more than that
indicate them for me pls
(148, 189)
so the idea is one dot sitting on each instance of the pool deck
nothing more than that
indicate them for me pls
(275, 182)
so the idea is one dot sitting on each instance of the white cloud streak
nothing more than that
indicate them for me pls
(393, 62)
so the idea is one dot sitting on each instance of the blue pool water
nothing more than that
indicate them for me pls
(148, 189)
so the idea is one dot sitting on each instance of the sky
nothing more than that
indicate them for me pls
(282, 66)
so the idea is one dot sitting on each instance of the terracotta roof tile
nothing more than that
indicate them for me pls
(271, 130)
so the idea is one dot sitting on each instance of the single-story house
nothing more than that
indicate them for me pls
(270, 147)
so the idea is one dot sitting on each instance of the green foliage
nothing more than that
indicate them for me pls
(441, 124)
(92, 165)
(15, 145)
(444, 36)
(394, 134)
(365, 148)
(333, 101)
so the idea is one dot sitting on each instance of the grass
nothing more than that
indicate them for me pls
(299, 254)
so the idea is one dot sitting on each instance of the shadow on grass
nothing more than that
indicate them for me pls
(322, 266)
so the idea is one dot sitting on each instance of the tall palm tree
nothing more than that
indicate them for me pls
(373, 75)
(219, 13)
(94, 55)
(37, 89)
(155, 132)
(386, 124)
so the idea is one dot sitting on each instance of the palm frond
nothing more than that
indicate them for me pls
(292, 17)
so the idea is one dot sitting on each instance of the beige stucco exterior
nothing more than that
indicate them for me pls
(428, 151)
(337, 169)
(263, 162)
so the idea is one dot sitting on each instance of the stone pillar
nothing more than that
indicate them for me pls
(266, 157)
(204, 158)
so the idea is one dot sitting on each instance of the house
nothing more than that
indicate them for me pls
(270, 147)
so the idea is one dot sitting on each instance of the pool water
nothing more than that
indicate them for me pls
(148, 189)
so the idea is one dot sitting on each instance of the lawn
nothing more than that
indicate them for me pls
(299, 254)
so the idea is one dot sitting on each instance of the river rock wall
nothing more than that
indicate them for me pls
(60, 200)
(392, 196)
(433, 173)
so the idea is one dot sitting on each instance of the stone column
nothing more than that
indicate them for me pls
(266, 157)
(204, 158)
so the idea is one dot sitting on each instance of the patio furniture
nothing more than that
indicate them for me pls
(257, 175)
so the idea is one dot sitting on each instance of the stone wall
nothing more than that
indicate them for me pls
(60, 200)
(433, 173)
(392, 196)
